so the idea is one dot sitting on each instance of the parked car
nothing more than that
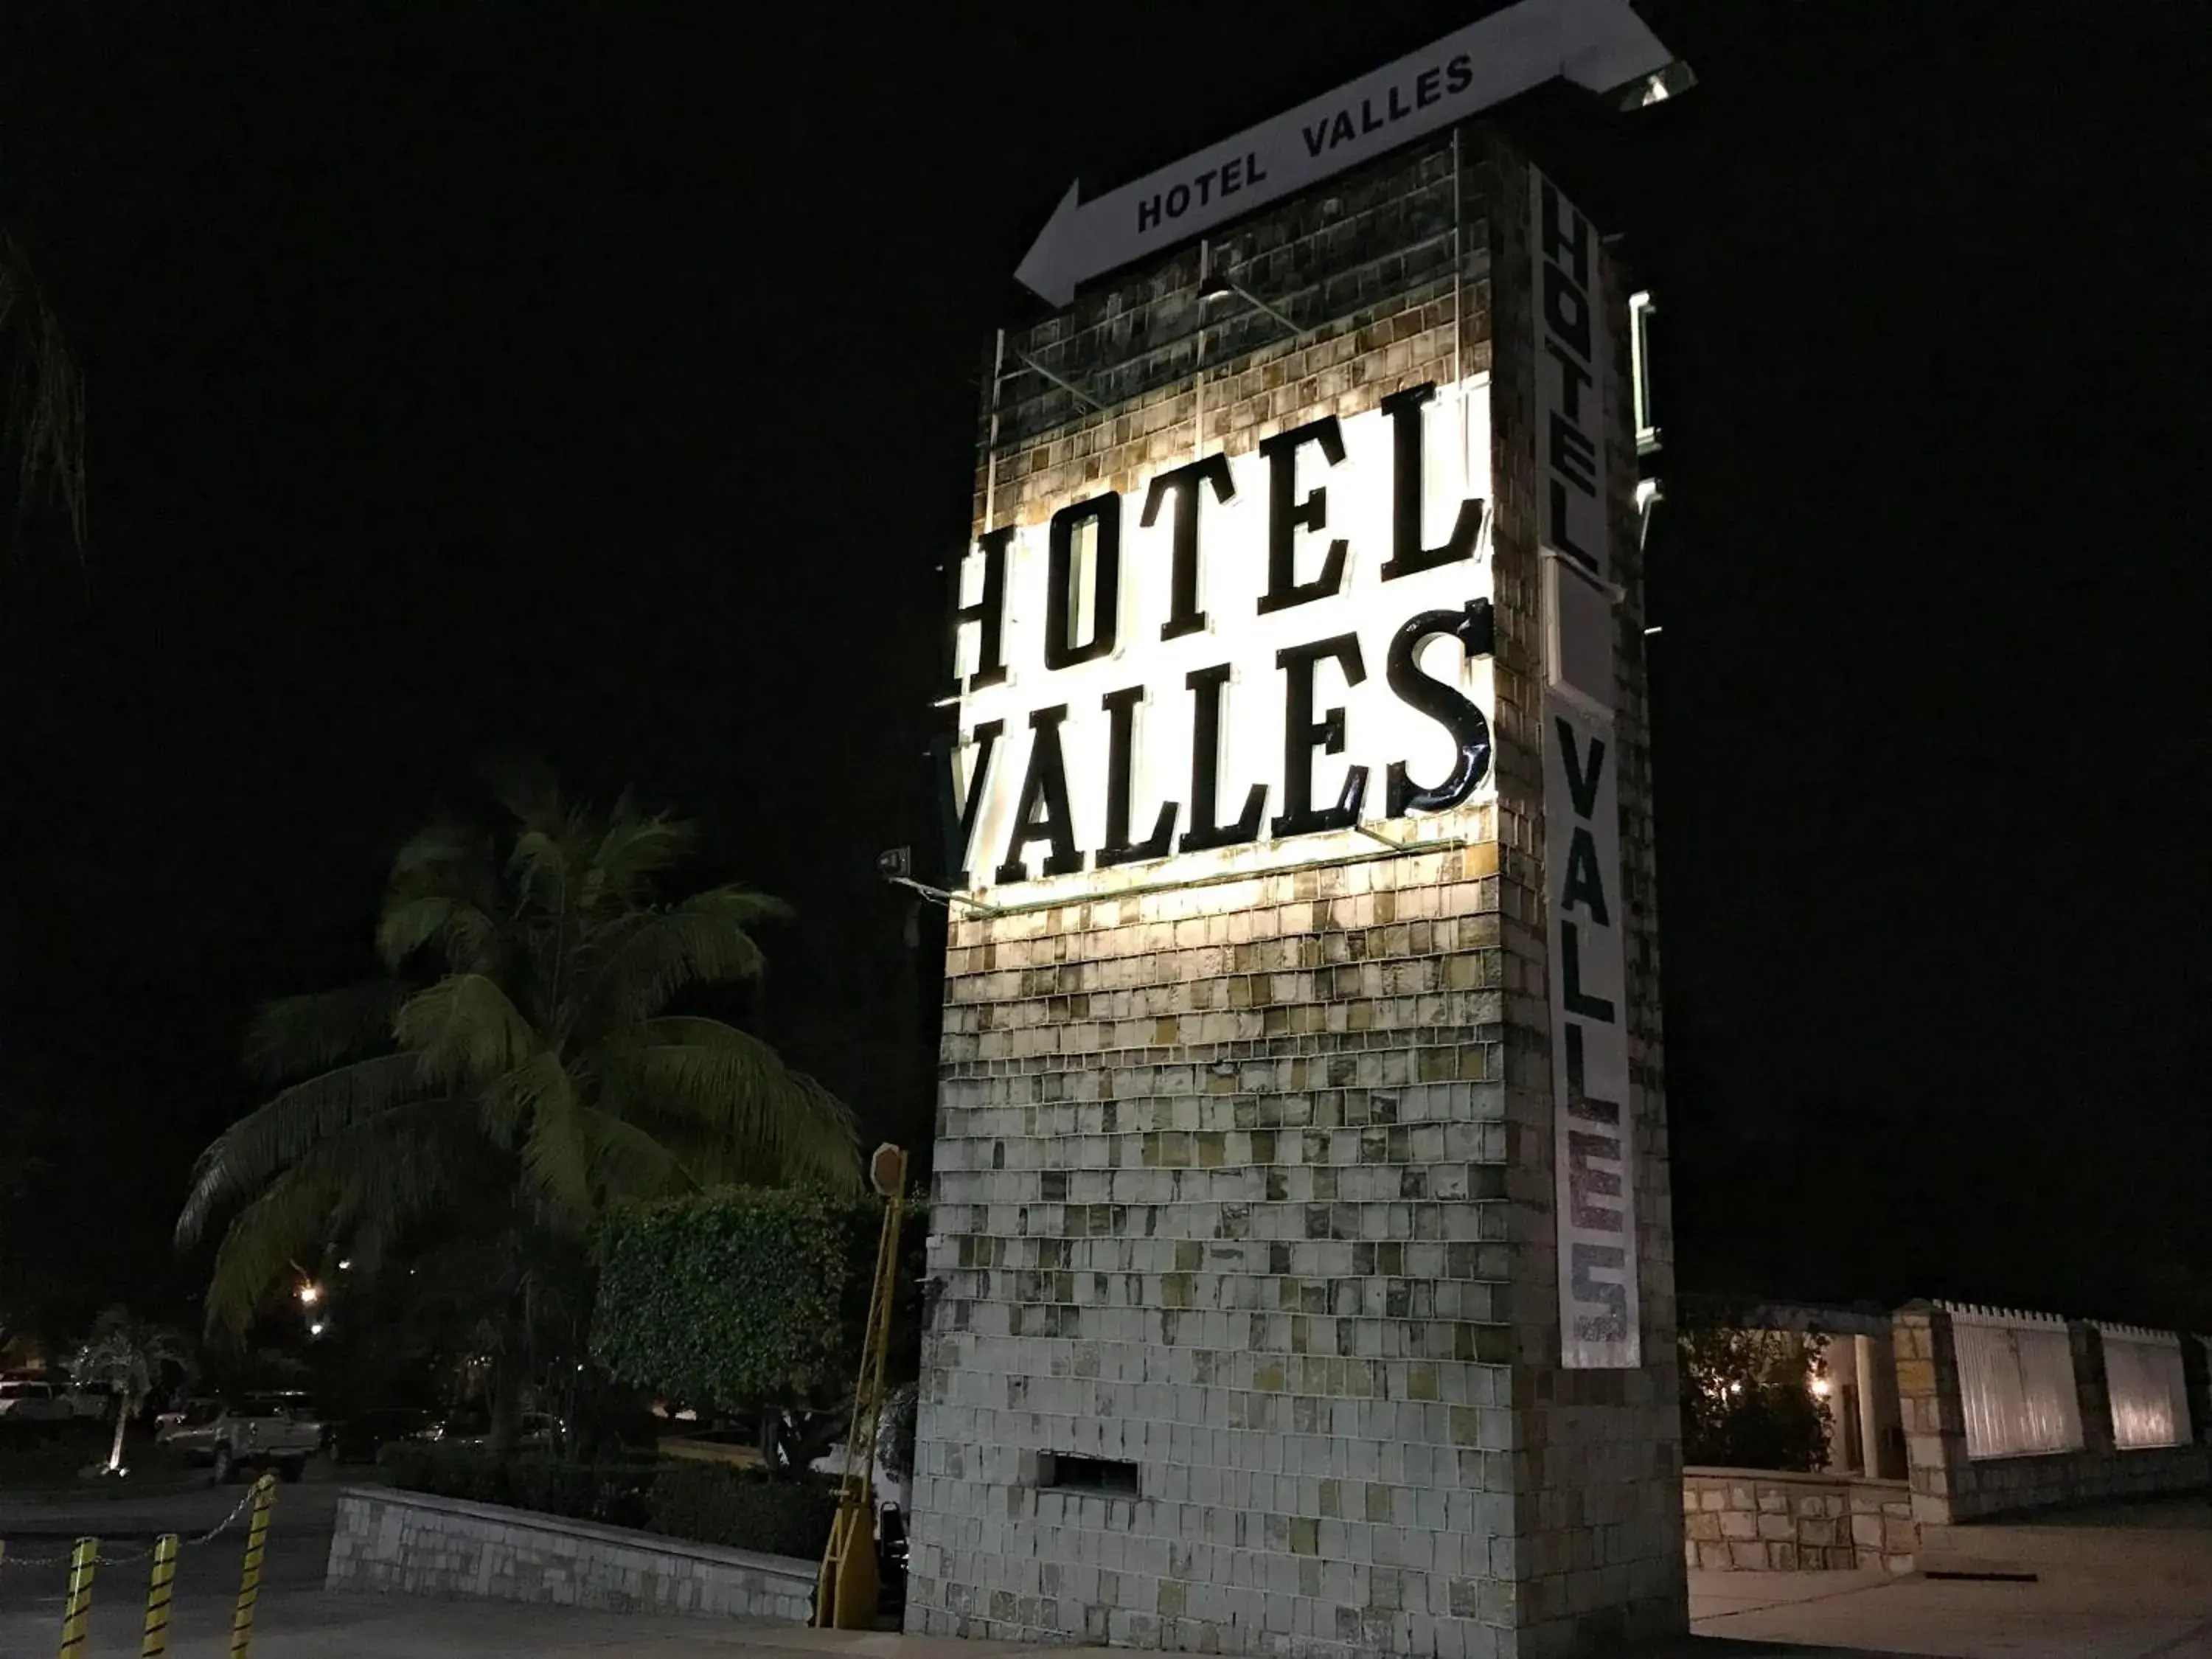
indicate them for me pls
(357, 1439)
(538, 1432)
(90, 1402)
(256, 1431)
(738, 1448)
(25, 1400)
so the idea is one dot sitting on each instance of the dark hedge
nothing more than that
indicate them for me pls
(705, 1503)
(743, 1297)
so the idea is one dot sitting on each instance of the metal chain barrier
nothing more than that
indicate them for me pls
(88, 1554)
(9, 1559)
(243, 1505)
(249, 1588)
(114, 1558)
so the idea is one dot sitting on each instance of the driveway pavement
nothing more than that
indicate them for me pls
(1735, 1615)
(2077, 1619)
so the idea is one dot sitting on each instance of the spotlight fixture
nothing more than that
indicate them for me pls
(1215, 286)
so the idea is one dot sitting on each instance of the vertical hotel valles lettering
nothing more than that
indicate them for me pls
(1594, 1136)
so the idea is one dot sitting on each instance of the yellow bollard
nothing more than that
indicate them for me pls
(77, 1612)
(156, 1640)
(249, 1589)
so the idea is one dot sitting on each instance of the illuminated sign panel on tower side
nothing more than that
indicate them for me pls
(1232, 662)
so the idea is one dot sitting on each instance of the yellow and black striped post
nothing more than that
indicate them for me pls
(77, 1612)
(157, 1641)
(249, 1588)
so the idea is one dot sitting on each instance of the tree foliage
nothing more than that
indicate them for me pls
(516, 1068)
(1748, 1399)
(127, 1356)
(745, 1298)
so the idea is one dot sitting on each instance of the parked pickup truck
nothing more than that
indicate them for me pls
(24, 1400)
(278, 1431)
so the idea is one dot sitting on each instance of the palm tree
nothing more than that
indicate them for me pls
(516, 1070)
(125, 1356)
(41, 395)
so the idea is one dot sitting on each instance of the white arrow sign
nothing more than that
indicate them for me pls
(1597, 43)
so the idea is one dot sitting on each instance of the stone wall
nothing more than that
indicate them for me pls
(1757, 1520)
(1248, 1185)
(410, 1542)
(1948, 1487)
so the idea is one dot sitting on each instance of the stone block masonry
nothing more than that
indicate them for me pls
(1759, 1520)
(1949, 1486)
(1244, 1332)
(426, 1546)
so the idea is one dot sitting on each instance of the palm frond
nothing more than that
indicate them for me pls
(446, 857)
(545, 862)
(443, 890)
(706, 939)
(250, 1153)
(636, 848)
(506, 1104)
(464, 1027)
(629, 1162)
(386, 1174)
(557, 1155)
(824, 1146)
(295, 1036)
(744, 1104)
(288, 1221)
(42, 401)
(458, 927)
(526, 787)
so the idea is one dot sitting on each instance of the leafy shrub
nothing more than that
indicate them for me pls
(41, 1457)
(607, 1490)
(895, 1429)
(23, 1435)
(35, 1454)
(1748, 1399)
(742, 1509)
(745, 1296)
(705, 1503)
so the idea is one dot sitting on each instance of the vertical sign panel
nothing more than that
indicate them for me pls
(1594, 1136)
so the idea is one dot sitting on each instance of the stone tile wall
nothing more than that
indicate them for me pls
(410, 1542)
(1249, 1185)
(1949, 1486)
(1757, 1520)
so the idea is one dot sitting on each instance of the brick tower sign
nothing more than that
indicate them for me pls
(1300, 1247)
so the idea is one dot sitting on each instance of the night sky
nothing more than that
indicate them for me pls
(600, 383)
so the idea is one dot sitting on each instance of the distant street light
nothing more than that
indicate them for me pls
(310, 1294)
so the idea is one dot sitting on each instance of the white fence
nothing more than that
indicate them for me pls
(2150, 1400)
(2016, 1382)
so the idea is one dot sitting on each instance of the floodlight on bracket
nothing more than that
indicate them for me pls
(896, 865)
(1440, 844)
(1059, 380)
(1215, 286)
(1656, 88)
(1649, 494)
